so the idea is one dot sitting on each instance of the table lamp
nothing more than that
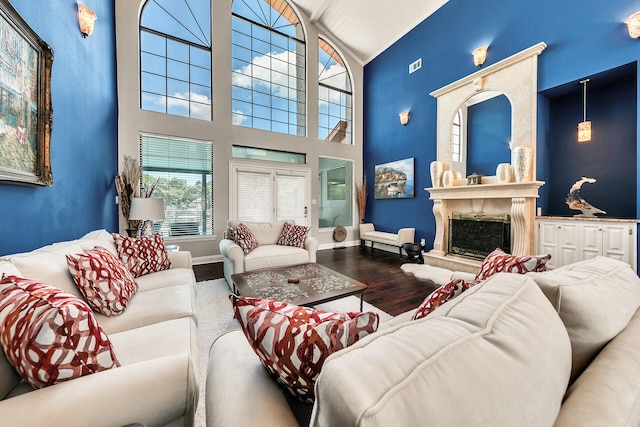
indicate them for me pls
(146, 210)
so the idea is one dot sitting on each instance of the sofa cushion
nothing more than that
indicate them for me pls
(165, 278)
(271, 256)
(142, 255)
(608, 391)
(266, 233)
(104, 281)
(293, 235)
(595, 299)
(499, 348)
(444, 293)
(153, 306)
(293, 342)
(243, 238)
(49, 267)
(50, 336)
(500, 261)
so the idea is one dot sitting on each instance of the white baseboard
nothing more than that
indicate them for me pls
(338, 245)
(209, 259)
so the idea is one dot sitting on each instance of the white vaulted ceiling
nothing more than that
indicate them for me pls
(367, 27)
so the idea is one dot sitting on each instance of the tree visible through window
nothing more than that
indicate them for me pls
(175, 57)
(183, 171)
(268, 64)
(334, 96)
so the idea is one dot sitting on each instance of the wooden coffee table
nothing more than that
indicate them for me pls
(317, 284)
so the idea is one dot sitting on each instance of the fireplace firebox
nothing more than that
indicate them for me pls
(475, 236)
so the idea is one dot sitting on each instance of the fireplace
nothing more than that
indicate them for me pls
(477, 235)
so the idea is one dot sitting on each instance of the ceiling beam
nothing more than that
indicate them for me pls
(317, 14)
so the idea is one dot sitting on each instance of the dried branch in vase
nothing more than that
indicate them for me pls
(127, 185)
(361, 198)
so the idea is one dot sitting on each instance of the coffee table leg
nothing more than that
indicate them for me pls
(361, 301)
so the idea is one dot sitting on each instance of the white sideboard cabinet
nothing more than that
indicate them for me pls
(575, 239)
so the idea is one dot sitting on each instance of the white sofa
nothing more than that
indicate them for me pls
(503, 353)
(369, 233)
(268, 254)
(155, 340)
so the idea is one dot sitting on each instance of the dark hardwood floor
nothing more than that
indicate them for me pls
(390, 289)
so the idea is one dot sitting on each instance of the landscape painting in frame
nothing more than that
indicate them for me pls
(394, 180)
(25, 102)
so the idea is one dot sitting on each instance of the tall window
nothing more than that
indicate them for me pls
(334, 93)
(182, 172)
(336, 192)
(268, 64)
(175, 57)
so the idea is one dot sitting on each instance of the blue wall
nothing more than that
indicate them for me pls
(583, 37)
(84, 135)
(488, 135)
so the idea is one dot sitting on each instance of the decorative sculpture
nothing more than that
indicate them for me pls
(576, 202)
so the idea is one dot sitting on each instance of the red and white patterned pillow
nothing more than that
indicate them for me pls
(142, 255)
(104, 281)
(444, 293)
(500, 261)
(293, 342)
(243, 238)
(50, 336)
(293, 235)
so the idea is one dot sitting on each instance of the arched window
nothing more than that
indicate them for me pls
(334, 96)
(175, 57)
(268, 63)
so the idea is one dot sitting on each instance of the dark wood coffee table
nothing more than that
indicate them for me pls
(317, 284)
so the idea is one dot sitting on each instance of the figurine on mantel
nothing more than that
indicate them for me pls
(576, 202)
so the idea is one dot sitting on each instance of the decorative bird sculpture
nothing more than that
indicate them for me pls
(576, 202)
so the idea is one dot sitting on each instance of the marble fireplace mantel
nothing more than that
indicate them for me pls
(517, 199)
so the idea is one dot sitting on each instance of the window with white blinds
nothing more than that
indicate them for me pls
(268, 194)
(254, 196)
(182, 172)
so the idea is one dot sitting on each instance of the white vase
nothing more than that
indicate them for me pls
(522, 162)
(448, 178)
(504, 173)
(436, 169)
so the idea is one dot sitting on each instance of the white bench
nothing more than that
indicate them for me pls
(369, 233)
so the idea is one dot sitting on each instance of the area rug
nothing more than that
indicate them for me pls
(438, 275)
(215, 317)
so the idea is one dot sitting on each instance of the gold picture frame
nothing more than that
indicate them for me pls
(26, 113)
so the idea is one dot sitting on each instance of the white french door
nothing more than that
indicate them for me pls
(261, 193)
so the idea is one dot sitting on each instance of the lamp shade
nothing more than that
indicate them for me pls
(145, 208)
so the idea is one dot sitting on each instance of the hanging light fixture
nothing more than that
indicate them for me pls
(584, 127)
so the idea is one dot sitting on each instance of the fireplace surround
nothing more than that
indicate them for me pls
(516, 78)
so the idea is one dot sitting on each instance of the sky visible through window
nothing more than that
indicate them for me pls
(268, 67)
(334, 93)
(175, 57)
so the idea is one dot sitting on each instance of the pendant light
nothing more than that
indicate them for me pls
(584, 127)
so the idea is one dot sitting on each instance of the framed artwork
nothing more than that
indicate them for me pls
(26, 114)
(394, 180)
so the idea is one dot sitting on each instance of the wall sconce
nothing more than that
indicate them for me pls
(584, 127)
(404, 118)
(480, 55)
(633, 25)
(86, 17)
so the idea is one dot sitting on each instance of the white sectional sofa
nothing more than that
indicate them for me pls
(268, 254)
(155, 340)
(560, 348)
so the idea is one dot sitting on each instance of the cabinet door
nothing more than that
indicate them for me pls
(569, 243)
(615, 241)
(591, 245)
(548, 241)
